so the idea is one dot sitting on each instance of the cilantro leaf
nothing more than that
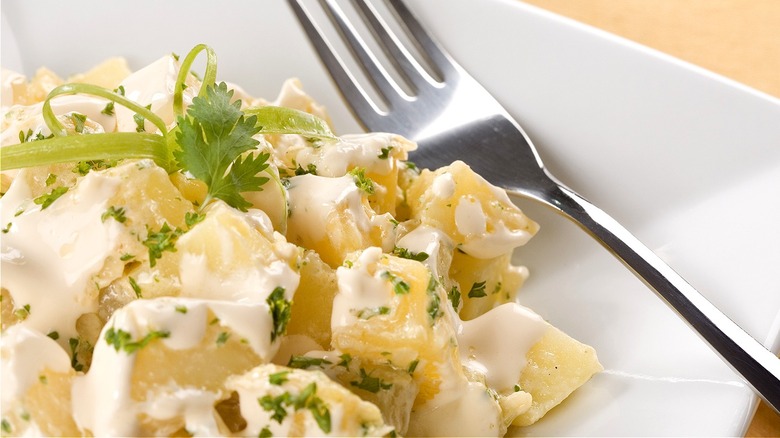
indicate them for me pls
(211, 138)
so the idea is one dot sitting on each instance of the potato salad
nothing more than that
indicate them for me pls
(180, 258)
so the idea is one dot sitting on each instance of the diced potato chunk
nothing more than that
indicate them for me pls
(280, 401)
(485, 283)
(391, 310)
(477, 216)
(557, 365)
(313, 303)
(108, 74)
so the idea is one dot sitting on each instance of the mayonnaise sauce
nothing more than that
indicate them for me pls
(49, 257)
(472, 222)
(314, 198)
(495, 344)
(360, 287)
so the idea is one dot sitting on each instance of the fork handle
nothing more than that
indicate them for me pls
(757, 365)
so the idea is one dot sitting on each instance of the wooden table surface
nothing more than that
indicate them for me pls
(739, 39)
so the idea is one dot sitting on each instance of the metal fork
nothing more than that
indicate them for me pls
(453, 117)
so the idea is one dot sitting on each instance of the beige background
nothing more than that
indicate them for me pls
(739, 39)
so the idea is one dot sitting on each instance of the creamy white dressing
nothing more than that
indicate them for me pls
(356, 150)
(501, 240)
(360, 287)
(49, 257)
(105, 406)
(470, 219)
(25, 354)
(251, 285)
(496, 343)
(433, 242)
(443, 186)
(461, 408)
(472, 222)
(313, 199)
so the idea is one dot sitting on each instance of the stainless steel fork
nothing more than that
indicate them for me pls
(452, 117)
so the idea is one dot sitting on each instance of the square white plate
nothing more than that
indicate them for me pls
(687, 160)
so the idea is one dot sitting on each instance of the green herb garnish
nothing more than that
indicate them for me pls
(280, 309)
(122, 340)
(477, 290)
(406, 254)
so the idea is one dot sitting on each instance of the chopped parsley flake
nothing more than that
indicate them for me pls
(276, 405)
(477, 290)
(135, 286)
(280, 309)
(434, 305)
(345, 360)
(140, 121)
(83, 167)
(163, 240)
(370, 312)
(181, 309)
(304, 362)
(307, 399)
(47, 199)
(370, 383)
(406, 254)
(363, 182)
(23, 312)
(222, 338)
(78, 122)
(278, 378)
(51, 179)
(122, 340)
(73, 343)
(117, 213)
(192, 218)
(399, 286)
(385, 153)
(24, 137)
(454, 296)
(109, 109)
(310, 168)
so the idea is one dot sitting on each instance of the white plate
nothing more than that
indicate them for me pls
(687, 160)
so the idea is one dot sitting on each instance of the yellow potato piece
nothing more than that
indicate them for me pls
(108, 74)
(313, 302)
(557, 365)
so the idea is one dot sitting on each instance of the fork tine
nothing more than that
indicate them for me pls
(431, 49)
(416, 75)
(354, 94)
(386, 86)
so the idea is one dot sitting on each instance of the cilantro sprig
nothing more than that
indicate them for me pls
(212, 138)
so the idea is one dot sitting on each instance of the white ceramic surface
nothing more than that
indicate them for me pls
(687, 160)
